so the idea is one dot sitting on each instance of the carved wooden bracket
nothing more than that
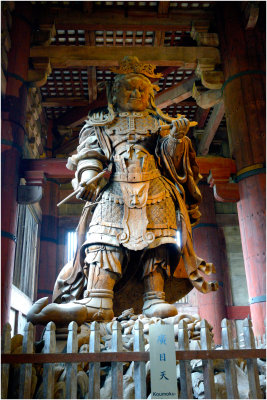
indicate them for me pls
(42, 69)
(29, 194)
(204, 38)
(206, 98)
(34, 178)
(223, 189)
(44, 34)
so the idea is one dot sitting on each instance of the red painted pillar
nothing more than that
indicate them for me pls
(251, 213)
(207, 244)
(243, 60)
(13, 118)
(48, 240)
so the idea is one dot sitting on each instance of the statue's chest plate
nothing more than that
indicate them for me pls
(131, 128)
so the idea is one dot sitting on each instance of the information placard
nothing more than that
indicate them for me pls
(162, 362)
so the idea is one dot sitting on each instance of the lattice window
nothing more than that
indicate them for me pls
(124, 38)
(174, 78)
(178, 38)
(69, 37)
(26, 257)
(70, 82)
(189, 111)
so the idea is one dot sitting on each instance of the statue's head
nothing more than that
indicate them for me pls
(132, 89)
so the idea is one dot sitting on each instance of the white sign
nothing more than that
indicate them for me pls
(162, 362)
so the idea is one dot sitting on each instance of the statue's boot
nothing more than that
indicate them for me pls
(154, 297)
(99, 295)
(61, 314)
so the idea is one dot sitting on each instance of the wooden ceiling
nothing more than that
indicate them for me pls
(81, 40)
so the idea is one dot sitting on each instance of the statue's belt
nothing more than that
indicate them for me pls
(135, 177)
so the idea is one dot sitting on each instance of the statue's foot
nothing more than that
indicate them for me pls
(155, 306)
(99, 305)
(61, 314)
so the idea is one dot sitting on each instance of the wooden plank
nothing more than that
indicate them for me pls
(6, 349)
(48, 371)
(175, 94)
(72, 56)
(185, 367)
(139, 366)
(94, 368)
(211, 128)
(130, 356)
(92, 84)
(253, 373)
(65, 102)
(71, 368)
(117, 367)
(25, 377)
(111, 19)
(230, 369)
(208, 370)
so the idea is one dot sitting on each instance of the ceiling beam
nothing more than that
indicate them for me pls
(116, 19)
(201, 116)
(78, 115)
(85, 56)
(211, 128)
(65, 102)
(175, 94)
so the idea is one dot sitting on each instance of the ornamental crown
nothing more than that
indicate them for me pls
(131, 64)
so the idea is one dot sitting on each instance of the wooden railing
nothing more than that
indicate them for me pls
(116, 357)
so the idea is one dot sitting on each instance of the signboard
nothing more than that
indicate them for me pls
(162, 362)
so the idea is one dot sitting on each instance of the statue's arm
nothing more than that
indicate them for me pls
(88, 162)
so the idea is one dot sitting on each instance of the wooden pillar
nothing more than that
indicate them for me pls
(48, 240)
(206, 241)
(243, 58)
(13, 119)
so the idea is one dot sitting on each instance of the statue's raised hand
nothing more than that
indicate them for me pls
(180, 127)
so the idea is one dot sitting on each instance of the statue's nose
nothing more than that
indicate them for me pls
(135, 93)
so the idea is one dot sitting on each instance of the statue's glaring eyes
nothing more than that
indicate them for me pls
(133, 94)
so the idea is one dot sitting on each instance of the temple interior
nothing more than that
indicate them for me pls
(56, 56)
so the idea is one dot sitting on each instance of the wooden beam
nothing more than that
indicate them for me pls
(72, 56)
(78, 115)
(92, 84)
(56, 167)
(201, 116)
(175, 94)
(115, 19)
(65, 102)
(163, 8)
(211, 128)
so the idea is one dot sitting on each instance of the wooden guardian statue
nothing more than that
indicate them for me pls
(136, 170)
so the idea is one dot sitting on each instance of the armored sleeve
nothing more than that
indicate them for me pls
(89, 155)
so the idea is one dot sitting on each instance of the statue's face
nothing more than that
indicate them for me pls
(133, 94)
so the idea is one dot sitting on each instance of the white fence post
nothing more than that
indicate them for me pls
(94, 367)
(6, 349)
(25, 378)
(208, 370)
(48, 371)
(139, 366)
(71, 368)
(230, 371)
(185, 367)
(253, 375)
(117, 367)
